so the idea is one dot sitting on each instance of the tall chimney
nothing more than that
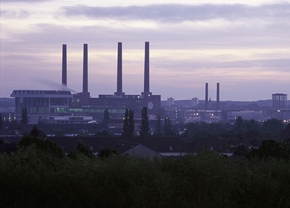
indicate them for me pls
(119, 69)
(85, 69)
(64, 65)
(217, 96)
(146, 70)
(206, 96)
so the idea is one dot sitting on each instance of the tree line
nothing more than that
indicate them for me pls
(39, 174)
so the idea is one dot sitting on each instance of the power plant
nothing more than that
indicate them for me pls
(65, 106)
(66, 103)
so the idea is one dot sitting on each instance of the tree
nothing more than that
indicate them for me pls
(129, 126)
(103, 133)
(158, 130)
(84, 149)
(131, 123)
(273, 127)
(35, 132)
(24, 118)
(126, 124)
(167, 126)
(241, 150)
(144, 129)
(285, 133)
(240, 127)
(81, 148)
(106, 114)
(44, 145)
(105, 153)
(1, 121)
(278, 150)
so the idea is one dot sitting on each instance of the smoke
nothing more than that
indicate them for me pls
(54, 85)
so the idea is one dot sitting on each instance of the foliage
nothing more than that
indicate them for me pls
(285, 133)
(240, 126)
(24, 117)
(129, 125)
(241, 150)
(41, 144)
(273, 127)
(35, 132)
(31, 178)
(103, 133)
(1, 121)
(144, 128)
(106, 114)
(82, 149)
(158, 127)
(105, 153)
(277, 150)
(167, 128)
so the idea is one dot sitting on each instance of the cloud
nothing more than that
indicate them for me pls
(24, 1)
(179, 12)
(14, 14)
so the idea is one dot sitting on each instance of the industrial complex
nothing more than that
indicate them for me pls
(41, 104)
(64, 106)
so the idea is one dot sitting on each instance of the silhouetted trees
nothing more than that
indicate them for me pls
(129, 124)
(1, 121)
(81, 149)
(106, 114)
(167, 128)
(35, 132)
(106, 152)
(158, 127)
(24, 117)
(144, 128)
(42, 145)
(285, 133)
(271, 149)
(272, 127)
(34, 178)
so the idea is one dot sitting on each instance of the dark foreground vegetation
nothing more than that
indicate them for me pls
(38, 174)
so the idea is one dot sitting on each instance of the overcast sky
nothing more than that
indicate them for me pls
(245, 47)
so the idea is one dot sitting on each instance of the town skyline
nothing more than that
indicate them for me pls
(244, 47)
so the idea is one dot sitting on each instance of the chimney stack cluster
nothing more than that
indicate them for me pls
(217, 96)
(119, 69)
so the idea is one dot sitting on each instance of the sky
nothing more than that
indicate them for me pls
(243, 46)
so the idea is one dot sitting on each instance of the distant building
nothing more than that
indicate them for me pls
(194, 101)
(42, 101)
(170, 101)
(279, 101)
(257, 115)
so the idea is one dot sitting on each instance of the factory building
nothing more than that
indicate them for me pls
(40, 103)
(117, 103)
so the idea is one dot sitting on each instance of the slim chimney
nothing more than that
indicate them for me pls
(206, 96)
(217, 96)
(85, 69)
(146, 70)
(119, 69)
(64, 65)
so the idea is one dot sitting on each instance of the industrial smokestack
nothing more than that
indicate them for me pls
(85, 69)
(64, 65)
(119, 69)
(146, 70)
(206, 96)
(217, 96)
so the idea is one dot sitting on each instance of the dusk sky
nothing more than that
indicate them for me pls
(245, 47)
